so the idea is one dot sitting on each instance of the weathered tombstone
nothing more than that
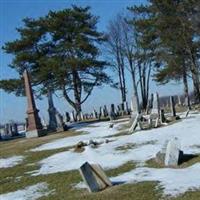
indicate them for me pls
(34, 123)
(162, 116)
(72, 117)
(172, 102)
(94, 177)
(112, 114)
(52, 112)
(126, 107)
(134, 107)
(100, 112)
(81, 116)
(105, 111)
(172, 152)
(179, 101)
(14, 129)
(95, 114)
(135, 123)
(44, 124)
(156, 104)
(67, 116)
(60, 123)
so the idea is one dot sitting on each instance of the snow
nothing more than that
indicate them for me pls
(173, 181)
(94, 131)
(143, 145)
(29, 193)
(11, 161)
(146, 145)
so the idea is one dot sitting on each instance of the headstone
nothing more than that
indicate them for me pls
(112, 114)
(94, 177)
(34, 123)
(67, 116)
(134, 108)
(162, 116)
(135, 123)
(156, 104)
(172, 152)
(179, 101)
(105, 111)
(126, 107)
(95, 114)
(172, 102)
(52, 112)
(72, 117)
(60, 122)
(100, 112)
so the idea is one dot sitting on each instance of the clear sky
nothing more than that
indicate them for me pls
(11, 14)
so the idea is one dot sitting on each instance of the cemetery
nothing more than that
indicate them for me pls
(144, 145)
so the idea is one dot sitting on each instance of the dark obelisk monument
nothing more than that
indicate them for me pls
(34, 128)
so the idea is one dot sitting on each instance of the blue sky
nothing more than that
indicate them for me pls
(11, 14)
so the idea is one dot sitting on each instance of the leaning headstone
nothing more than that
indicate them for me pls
(94, 177)
(135, 123)
(172, 103)
(172, 152)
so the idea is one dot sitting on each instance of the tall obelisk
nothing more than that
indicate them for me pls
(34, 124)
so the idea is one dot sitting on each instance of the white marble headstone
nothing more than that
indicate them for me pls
(172, 152)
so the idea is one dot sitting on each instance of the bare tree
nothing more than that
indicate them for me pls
(116, 55)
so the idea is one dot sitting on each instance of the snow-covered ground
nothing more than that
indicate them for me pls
(10, 161)
(92, 131)
(143, 145)
(29, 193)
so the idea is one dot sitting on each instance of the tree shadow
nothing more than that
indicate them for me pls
(118, 183)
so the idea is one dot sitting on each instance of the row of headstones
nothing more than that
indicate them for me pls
(122, 109)
(59, 123)
(9, 130)
(153, 112)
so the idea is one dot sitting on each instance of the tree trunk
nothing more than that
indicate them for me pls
(77, 92)
(186, 93)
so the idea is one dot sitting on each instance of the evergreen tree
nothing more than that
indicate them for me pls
(61, 51)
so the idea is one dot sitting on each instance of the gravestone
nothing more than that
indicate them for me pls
(136, 123)
(94, 177)
(162, 116)
(126, 110)
(112, 114)
(156, 104)
(67, 116)
(72, 117)
(100, 112)
(172, 103)
(172, 152)
(95, 114)
(179, 101)
(105, 111)
(34, 124)
(60, 122)
(52, 112)
(134, 107)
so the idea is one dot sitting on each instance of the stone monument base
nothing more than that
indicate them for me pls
(35, 133)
